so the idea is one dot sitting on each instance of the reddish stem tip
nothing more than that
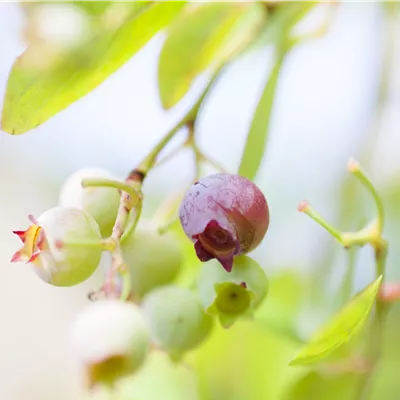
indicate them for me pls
(389, 292)
(353, 165)
(33, 219)
(302, 206)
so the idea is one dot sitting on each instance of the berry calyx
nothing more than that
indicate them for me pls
(100, 202)
(111, 340)
(176, 319)
(225, 215)
(153, 259)
(232, 295)
(63, 245)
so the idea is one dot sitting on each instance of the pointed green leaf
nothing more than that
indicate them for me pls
(203, 37)
(34, 95)
(258, 134)
(280, 23)
(338, 330)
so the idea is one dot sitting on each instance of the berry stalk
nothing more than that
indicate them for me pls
(370, 235)
(131, 197)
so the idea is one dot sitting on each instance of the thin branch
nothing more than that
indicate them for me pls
(133, 184)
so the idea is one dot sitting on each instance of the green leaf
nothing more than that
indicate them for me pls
(204, 37)
(338, 330)
(316, 386)
(34, 95)
(94, 8)
(283, 19)
(280, 23)
(258, 134)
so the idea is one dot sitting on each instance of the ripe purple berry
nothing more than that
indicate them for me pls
(224, 215)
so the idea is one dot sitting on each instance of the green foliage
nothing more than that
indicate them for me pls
(279, 313)
(173, 381)
(94, 8)
(242, 363)
(258, 134)
(339, 330)
(329, 386)
(284, 17)
(34, 95)
(204, 37)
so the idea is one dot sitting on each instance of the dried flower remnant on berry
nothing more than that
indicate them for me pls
(111, 340)
(235, 295)
(225, 215)
(54, 245)
(33, 242)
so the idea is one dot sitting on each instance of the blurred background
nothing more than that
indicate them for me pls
(338, 96)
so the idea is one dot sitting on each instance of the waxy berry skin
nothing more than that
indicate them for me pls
(224, 215)
(100, 202)
(153, 259)
(176, 319)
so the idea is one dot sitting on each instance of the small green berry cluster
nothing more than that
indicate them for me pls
(143, 307)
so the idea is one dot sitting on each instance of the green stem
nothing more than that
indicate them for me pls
(201, 157)
(306, 208)
(347, 285)
(131, 225)
(348, 206)
(188, 118)
(126, 285)
(111, 183)
(375, 341)
(355, 168)
(169, 156)
(131, 193)
(191, 142)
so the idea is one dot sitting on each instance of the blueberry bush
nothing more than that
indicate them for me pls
(187, 286)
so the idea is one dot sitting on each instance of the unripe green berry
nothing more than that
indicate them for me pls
(235, 294)
(111, 340)
(176, 319)
(63, 245)
(100, 202)
(153, 259)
